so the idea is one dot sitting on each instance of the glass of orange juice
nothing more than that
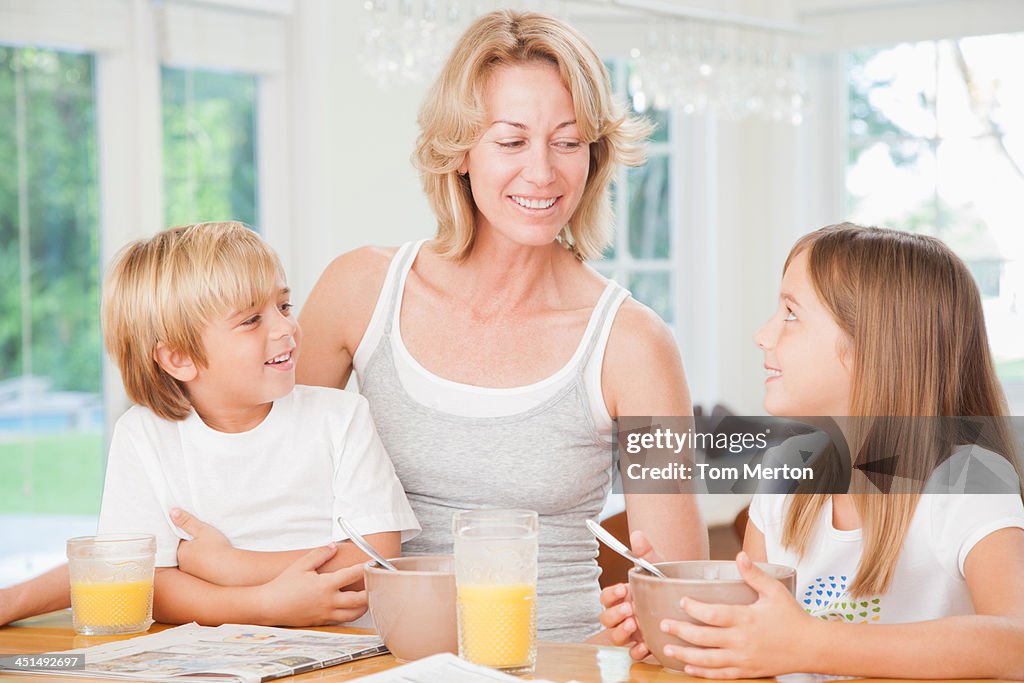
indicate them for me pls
(111, 583)
(496, 585)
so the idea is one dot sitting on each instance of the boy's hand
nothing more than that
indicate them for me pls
(300, 596)
(618, 616)
(209, 555)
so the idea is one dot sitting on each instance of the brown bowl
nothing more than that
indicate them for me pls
(655, 599)
(414, 608)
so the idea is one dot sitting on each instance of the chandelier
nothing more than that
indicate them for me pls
(700, 62)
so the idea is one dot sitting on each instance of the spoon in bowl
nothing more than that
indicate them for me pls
(613, 543)
(361, 543)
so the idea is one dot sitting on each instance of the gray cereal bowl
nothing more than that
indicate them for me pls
(413, 608)
(711, 581)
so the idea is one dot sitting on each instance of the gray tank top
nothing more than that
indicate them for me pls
(549, 458)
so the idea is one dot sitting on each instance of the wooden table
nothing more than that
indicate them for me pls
(555, 661)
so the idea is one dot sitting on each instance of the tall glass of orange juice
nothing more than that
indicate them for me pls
(496, 583)
(111, 583)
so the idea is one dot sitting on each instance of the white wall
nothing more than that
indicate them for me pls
(353, 182)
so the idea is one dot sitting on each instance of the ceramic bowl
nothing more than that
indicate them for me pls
(414, 608)
(711, 581)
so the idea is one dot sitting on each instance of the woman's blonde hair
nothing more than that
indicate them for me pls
(452, 119)
(168, 289)
(918, 348)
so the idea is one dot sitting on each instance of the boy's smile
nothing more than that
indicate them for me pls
(250, 363)
(283, 362)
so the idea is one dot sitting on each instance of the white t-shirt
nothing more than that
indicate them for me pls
(276, 487)
(929, 579)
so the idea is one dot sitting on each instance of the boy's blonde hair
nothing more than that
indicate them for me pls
(918, 348)
(169, 288)
(452, 120)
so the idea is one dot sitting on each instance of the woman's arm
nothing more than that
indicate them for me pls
(40, 594)
(298, 596)
(211, 557)
(643, 375)
(775, 636)
(337, 313)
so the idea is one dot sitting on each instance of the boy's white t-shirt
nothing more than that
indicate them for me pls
(279, 486)
(929, 580)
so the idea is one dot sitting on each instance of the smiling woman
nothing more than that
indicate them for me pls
(493, 358)
(529, 169)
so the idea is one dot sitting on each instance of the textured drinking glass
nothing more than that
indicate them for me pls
(111, 583)
(496, 584)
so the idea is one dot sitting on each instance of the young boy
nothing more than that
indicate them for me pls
(199, 323)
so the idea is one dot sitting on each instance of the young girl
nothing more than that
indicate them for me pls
(870, 322)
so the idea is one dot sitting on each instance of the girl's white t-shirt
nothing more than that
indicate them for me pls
(279, 486)
(929, 580)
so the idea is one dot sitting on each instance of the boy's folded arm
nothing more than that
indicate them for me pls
(254, 567)
(211, 557)
(298, 596)
(179, 598)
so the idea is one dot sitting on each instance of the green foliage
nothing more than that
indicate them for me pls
(56, 474)
(649, 224)
(209, 146)
(57, 151)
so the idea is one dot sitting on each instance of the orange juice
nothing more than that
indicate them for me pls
(498, 624)
(112, 605)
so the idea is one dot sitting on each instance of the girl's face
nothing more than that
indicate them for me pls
(805, 352)
(528, 171)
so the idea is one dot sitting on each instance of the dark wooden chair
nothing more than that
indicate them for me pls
(614, 566)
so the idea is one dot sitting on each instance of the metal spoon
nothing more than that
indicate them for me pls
(613, 543)
(361, 543)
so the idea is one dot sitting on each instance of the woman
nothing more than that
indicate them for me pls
(493, 358)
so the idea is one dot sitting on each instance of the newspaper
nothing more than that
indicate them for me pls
(248, 654)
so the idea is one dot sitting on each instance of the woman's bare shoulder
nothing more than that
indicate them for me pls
(643, 371)
(362, 266)
(637, 328)
(343, 299)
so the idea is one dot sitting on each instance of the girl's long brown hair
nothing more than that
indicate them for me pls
(918, 348)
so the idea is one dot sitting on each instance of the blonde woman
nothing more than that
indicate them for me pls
(494, 359)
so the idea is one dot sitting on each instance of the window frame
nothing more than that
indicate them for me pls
(624, 263)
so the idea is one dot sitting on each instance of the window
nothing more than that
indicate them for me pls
(209, 146)
(83, 129)
(641, 256)
(936, 145)
(51, 410)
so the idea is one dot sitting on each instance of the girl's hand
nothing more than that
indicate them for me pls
(300, 596)
(765, 638)
(618, 616)
(209, 555)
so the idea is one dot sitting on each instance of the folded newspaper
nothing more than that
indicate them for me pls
(248, 654)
